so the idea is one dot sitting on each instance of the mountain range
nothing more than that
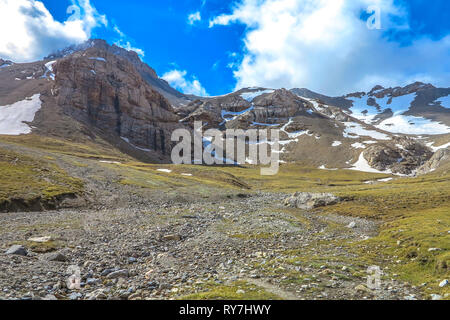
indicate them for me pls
(97, 90)
(89, 196)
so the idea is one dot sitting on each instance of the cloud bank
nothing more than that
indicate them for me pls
(325, 45)
(28, 30)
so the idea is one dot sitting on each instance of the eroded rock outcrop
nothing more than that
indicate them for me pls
(440, 158)
(401, 156)
(105, 90)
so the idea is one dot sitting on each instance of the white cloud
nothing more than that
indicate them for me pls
(326, 46)
(177, 79)
(124, 43)
(127, 45)
(194, 17)
(28, 30)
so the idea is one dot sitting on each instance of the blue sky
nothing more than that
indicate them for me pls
(161, 30)
(319, 44)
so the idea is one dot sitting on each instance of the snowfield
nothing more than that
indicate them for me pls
(363, 165)
(445, 101)
(413, 125)
(398, 123)
(12, 117)
(362, 111)
(355, 130)
(250, 96)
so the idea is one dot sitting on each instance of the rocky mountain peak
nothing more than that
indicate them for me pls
(146, 72)
(101, 87)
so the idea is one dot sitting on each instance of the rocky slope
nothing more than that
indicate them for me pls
(334, 132)
(440, 160)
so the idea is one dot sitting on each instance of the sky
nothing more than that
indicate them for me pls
(213, 47)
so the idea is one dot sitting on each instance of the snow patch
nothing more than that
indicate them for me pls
(363, 165)
(49, 72)
(432, 147)
(358, 145)
(294, 135)
(413, 125)
(362, 111)
(12, 117)
(445, 101)
(250, 96)
(98, 59)
(322, 167)
(234, 115)
(109, 162)
(164, 170)
(336, 144)
(354, 130)
(265, 124)
(136, 147)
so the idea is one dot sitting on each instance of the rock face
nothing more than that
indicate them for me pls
(308, 201)
(146, 72)
(233, 111)
(403, 157)
(440, 158)
(106, 91)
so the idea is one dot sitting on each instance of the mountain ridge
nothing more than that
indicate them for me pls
(108, 90)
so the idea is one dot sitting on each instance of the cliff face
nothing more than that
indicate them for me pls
(106, 91)
(147, 73)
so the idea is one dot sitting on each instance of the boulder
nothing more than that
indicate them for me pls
(17, 250)
(308, 201)
(57, 257)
